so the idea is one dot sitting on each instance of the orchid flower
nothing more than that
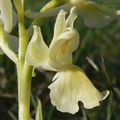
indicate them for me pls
(70, 84)
(6, 15)
(12, 42)
(7, 21)
(93, 14)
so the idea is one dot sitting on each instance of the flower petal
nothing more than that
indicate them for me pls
(72, 86)
(60, 25)
(12, 42)
(37, 50)
(96, 16)
(6, 15)
(71, 18)
(60, 53)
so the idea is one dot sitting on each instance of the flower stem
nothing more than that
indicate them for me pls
(24, 90)
(24, 73)
(24, 80)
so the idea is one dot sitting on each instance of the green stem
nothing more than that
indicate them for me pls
(23, 42)
(49, 5)
(24, 76)
(24, 73)
(24, 90)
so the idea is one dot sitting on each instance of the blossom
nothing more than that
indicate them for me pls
(93, 14)
(6, 15)
(70, 84)
(37, 44)
(8, 20)
(12, 42)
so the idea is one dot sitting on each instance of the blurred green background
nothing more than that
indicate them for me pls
(102, 46)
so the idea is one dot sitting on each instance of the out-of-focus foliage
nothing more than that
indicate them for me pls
(102, 46)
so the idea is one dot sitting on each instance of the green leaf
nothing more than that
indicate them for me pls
(1, 52)
(39, 115)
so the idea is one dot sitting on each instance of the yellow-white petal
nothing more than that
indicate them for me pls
(97, 16)
(70, 87)
(60, 53)
(71, 18)
(6, 15)
(93, 14)
(37, 51)
(60, 25)
(12, 42)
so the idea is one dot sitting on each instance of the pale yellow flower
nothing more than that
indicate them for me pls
(70, 84)
(6, 15)
(93, 15)
(12, 42)
(8, 20)
(37, 45)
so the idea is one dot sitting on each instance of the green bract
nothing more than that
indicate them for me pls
(19, 5)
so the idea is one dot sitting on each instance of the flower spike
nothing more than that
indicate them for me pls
(70, 84)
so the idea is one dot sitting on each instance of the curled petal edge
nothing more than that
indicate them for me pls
(70, 87)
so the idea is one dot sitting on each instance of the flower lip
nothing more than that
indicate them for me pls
(71, 86)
